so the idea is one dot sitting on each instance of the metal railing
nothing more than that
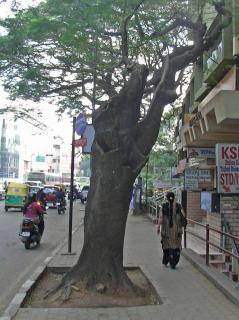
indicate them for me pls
(207, 239)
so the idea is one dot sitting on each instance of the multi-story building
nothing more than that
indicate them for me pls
(9, 148)
(21, 152)
(207, 135)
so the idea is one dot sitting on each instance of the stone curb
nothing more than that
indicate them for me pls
(155, 284)
(226, 286)
(19, 297)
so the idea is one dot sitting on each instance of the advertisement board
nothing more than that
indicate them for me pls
(227, 161)
(191, 179)
(201, 152)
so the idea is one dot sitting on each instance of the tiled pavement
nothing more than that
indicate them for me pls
(185, 292)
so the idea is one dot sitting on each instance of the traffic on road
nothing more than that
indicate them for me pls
(16, 263)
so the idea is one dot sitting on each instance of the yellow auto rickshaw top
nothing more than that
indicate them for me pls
(15, 188)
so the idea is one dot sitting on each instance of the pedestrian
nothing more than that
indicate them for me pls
(131, 205)
(171, 222)
(5, 186)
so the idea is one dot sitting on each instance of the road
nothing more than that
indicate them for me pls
(16, 263)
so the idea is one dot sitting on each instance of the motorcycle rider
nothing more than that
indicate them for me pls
(34, 211)
(40, 196)
(60, 196)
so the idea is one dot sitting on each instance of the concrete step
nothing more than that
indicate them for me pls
(233, 276)
(217, 256)
(219, 264)
(226, 272)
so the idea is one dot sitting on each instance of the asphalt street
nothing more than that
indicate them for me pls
(16, 263)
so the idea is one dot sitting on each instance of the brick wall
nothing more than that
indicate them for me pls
(230, 209)
(194, 211)
(214, 220)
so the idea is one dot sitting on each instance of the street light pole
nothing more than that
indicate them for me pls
(146, 185)
(72, 184)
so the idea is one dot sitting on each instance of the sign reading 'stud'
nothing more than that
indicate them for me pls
(227, 161)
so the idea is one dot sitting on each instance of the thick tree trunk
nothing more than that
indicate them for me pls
(116, 162)
(101, 260)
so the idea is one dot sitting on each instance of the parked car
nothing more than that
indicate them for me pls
(84, 193)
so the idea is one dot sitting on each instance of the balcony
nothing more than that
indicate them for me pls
(216, 121)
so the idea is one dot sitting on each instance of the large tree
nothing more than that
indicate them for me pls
(122, 61)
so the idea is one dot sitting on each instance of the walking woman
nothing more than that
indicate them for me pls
(171, 223)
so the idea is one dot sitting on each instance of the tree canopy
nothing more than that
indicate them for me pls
(81, 53)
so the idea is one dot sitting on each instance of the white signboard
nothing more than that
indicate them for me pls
(201, 153)
(191, 179)
(204, 175)
(89, 134)
(206, 201)
(161, 185)
(227, 161)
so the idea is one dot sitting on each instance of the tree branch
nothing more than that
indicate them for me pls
(165, 80)
(178, 22)
(124, 31)
(66, 87)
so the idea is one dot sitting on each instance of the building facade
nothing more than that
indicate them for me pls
(207, 135)
(9, 148)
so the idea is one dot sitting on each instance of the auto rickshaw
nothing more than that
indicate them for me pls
(60, 186)
(16, 195)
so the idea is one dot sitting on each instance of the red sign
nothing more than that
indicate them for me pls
(80, 142)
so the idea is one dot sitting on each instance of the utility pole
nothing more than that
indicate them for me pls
(72, 185)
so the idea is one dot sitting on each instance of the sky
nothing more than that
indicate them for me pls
(29, 133)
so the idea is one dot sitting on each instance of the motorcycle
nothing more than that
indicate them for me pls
(61, 208)
(30, 233)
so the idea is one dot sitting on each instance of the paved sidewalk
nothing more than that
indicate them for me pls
(185, 292)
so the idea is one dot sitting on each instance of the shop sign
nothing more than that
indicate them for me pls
(40, 159)
(227, 161)
(191, 179)
(204, 175)
(201, 152)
